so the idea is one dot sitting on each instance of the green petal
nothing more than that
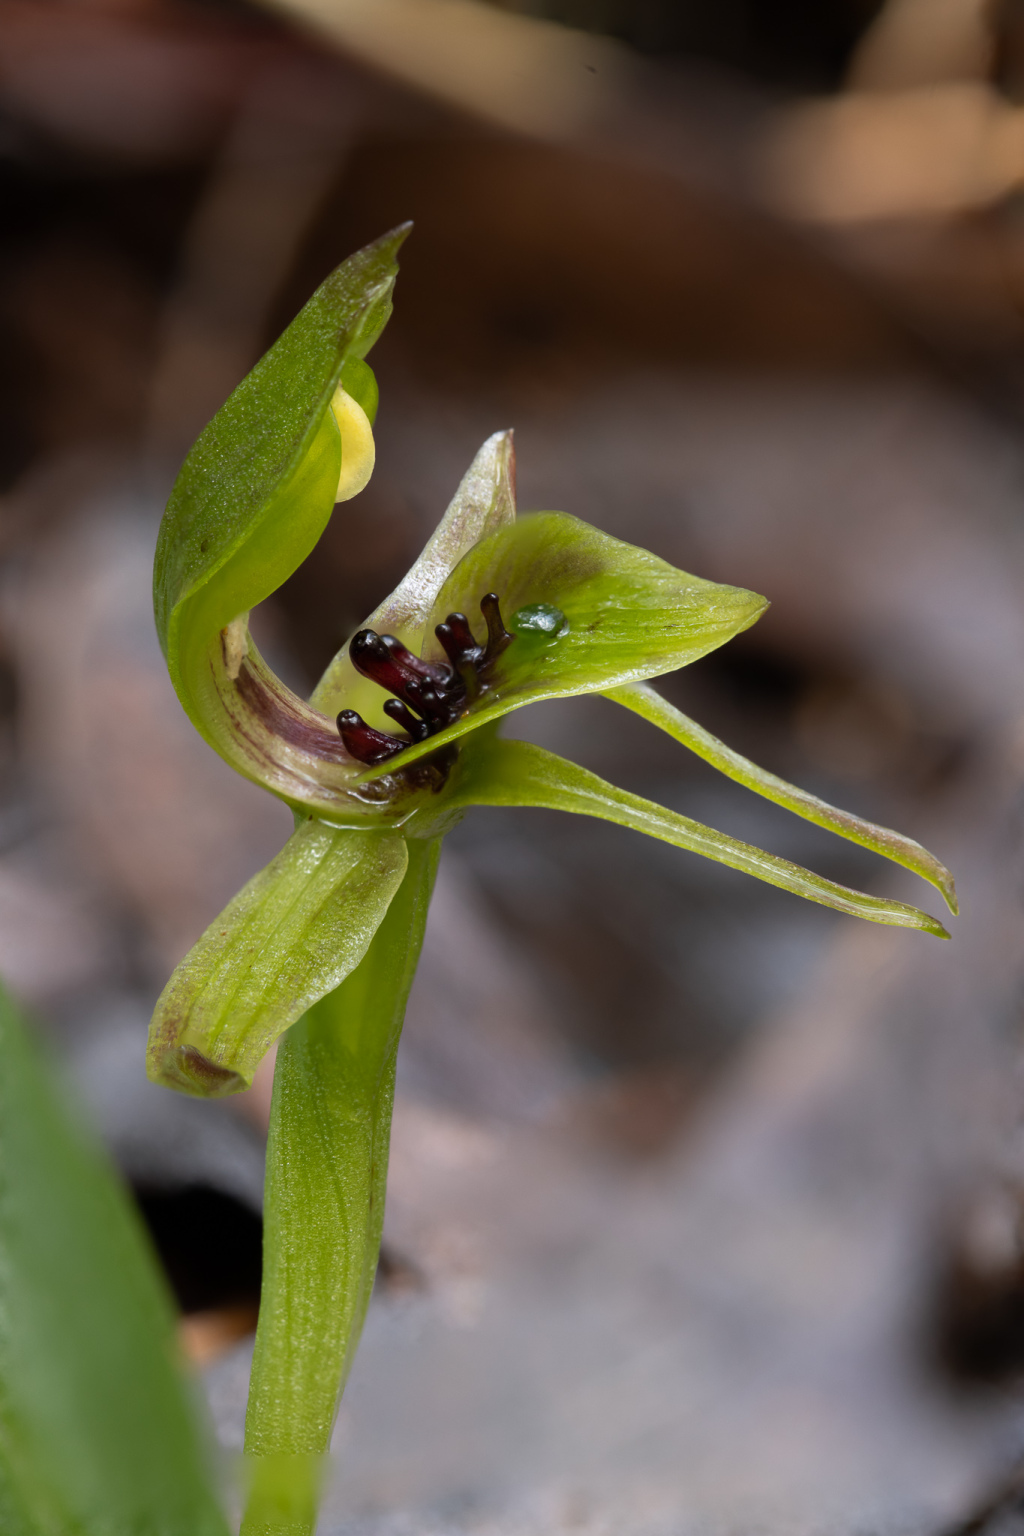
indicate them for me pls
(327, 1159)
(484, 503)
(891, 845)
(97, 1434)
(627, 615)
(252, 499)
(290, 936)
(495, 772)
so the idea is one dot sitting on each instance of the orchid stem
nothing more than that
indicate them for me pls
(327, 1157)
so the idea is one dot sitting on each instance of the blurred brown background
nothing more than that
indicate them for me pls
(705, 1206)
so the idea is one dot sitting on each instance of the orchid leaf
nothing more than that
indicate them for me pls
(328, 1154)
(483, 504)
(257, 489)
(97, 1433)
(588, 612)
(891, 845)
(290, 936)
(496, 772)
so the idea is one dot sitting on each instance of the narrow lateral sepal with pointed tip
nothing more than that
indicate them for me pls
(516, 773)
(645, 701)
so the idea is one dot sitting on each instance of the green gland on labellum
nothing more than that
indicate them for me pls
(540, 621)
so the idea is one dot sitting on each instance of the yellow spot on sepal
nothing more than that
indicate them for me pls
(357, 446)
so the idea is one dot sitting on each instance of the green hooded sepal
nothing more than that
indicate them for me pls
(250, 503)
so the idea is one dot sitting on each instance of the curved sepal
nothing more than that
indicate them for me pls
(507, 773)
(644, 701)
(289, 937)
(258, 487)
(588, 612)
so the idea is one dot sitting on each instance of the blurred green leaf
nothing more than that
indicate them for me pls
(97, 1433)
(327, 1160)
(289, 936)
(497, 772)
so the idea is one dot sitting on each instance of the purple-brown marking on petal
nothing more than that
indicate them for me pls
(278, 713)
(188, 1068)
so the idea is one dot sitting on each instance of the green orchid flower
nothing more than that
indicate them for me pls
(398, 740)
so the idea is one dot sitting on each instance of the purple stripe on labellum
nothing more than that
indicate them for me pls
(427, 696)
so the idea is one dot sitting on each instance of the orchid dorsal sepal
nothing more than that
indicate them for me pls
(587, 612)
(258, 487)
(645, 701)
(517, 773)
(287, 939)
(226, 503)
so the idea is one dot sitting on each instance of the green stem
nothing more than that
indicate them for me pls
(327, 1158)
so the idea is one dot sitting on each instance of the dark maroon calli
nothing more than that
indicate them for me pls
(426, 696)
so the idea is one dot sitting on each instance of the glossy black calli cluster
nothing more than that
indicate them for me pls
(426, 695)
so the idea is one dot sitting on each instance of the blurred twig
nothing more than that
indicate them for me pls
(932, 151)
(923, 42)
(518, 73)
(921, 133)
